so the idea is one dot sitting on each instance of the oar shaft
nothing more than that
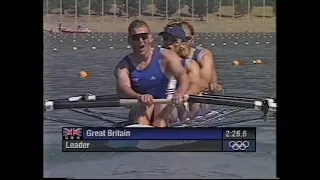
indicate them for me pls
(254, 104)
(224, 102)
(82, 104)
(87, 97)
(228, 97)
(107, 97)
(51, 105)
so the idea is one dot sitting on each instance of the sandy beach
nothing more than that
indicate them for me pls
(254, 22)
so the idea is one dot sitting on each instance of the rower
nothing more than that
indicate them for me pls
(145, 74)
(205, 59)
(174, 38)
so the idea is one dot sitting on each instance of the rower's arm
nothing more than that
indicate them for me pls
(173, 63)
(123, 83)
(207, 70)
(194, 78)
(214, 76)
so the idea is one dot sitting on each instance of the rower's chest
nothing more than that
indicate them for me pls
(148, 77)
(143, 65)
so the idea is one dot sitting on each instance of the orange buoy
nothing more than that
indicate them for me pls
(258, 61)
(84, 74)
(237, 63)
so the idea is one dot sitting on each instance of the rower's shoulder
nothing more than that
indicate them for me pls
(206, 54)
(168, 54)
(123, 63)
(164, 51)
(191, 63)
(205, 50)
(122, 66)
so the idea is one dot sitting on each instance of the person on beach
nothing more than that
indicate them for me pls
(60, 26)
(145, 74)
(205, 59)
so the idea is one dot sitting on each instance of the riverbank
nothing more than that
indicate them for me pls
(107, 24)
(228, 22)
(254, 22)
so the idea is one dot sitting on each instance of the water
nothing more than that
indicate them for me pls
(61, 79)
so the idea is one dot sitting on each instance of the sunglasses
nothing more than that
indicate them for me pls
(137, 37)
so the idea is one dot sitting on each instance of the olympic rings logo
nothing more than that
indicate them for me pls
(239, 145)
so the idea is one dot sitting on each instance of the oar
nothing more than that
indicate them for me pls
(229, 102)
(50, 105)
(108, 97)
(263, 105)
(207, 94)
(88, 96)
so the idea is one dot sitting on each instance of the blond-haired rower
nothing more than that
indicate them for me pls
(176, 40)
(205, 59)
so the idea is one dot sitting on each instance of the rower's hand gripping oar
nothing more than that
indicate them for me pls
(93, 101)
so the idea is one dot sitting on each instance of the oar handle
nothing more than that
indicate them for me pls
(136, 101)
(51, 105)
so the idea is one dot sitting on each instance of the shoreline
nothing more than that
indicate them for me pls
(110, 24)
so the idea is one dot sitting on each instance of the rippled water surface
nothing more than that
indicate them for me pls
(99, 53)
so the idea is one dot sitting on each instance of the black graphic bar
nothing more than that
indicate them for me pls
(159, 145)
(141, 146)
(239, 133)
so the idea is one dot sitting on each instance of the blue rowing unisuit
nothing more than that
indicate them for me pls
(150, 80)
(198, 54)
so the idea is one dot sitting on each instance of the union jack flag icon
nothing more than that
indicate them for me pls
(72, 133)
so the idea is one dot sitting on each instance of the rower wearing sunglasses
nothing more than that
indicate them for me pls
(145, 74)
(174, 38)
